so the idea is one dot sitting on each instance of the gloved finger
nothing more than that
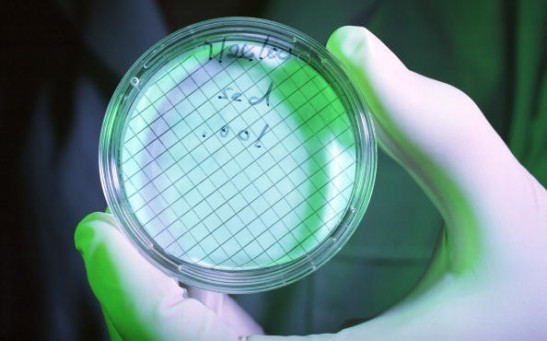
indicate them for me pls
(441, 137)
(141, 302)
(224, 306)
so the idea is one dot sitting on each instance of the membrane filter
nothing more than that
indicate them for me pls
(237, 156)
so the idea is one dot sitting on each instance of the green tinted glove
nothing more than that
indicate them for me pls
(488, 280)
(140, 302)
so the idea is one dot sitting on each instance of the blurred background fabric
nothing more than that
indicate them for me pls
(60, 62)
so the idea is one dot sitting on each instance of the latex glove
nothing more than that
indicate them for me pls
(140, 302)
(488, 280)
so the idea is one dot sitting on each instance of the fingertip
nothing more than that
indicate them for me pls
(357, 47)
(347, 39)
(87, 229)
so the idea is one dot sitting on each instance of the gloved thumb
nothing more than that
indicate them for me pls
(490, 203)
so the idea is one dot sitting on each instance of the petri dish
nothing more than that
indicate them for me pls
(237, 155)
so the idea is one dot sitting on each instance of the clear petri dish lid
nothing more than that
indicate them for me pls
(237, 155)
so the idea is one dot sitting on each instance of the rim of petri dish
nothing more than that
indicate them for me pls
(237, 155)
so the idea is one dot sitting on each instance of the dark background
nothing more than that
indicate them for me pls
(61, 60)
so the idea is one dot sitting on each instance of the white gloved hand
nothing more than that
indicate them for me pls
(488, 280)
(140, 302)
